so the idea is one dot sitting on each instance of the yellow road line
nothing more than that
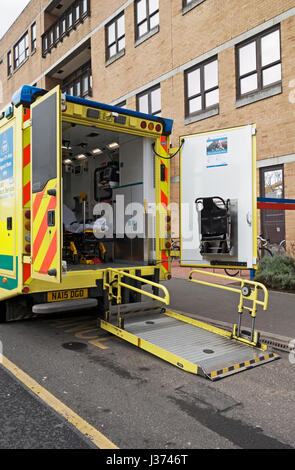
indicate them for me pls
(85, 428)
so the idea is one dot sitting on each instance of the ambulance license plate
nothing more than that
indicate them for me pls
(72, 294)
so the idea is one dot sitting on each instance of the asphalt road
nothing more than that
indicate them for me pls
(134, 399)
(223, 306)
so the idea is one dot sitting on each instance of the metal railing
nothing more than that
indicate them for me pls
(114, 283)
(248, 290)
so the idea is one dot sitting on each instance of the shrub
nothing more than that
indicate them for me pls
(277, 272)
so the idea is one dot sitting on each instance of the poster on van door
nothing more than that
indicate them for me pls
(6, 164)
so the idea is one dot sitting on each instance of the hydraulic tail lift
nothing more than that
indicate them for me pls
(190, 345)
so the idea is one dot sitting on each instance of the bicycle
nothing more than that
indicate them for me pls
(262, 247)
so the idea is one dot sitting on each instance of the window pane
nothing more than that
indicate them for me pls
(212, 98)
(121, 44)
(85, 83)
(270, 48)
(272, 75)
(70, 19)
(247, 58)
(84, 6)
(141, 10)
(154, 21)
(195, 105)
(143, 104)
(111, 33)
(112, 50)
(153, 6)
(21, 47)
(194, 82)
(77, 12)
(121, 26)
(142, 29)
(156, 100)
(249, 84)
(211, 75)
(78, 89)
(273, 183)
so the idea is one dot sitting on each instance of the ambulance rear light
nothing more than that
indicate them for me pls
(158, 127)
(26, 290)
(143, 124)
(28, 215)
(28, 249)
(28, 226)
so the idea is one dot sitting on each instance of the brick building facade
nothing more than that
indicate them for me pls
(206, 64)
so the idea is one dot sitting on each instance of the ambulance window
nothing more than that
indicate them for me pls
(44, 143)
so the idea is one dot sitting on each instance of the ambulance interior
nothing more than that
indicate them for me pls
(108, 182)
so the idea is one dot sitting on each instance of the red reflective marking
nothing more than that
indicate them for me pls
(43, 228)
(27, 272)
(27, 155)
(27, 193)
(49, 256)
(164, 199)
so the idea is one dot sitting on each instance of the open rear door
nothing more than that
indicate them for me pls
(47, 187)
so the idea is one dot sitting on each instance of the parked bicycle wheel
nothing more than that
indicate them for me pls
(232, 272)
(264, 252)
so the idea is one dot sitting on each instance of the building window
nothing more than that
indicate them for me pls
(9, 64)
(122, 104)
(149, 102)
(147, 16)
(80, 82)
(21, 50)
(187, 5)
(259, 63)
(33, 37)
(272, 186)
(71, 18)
(115, 36)
(202, 91)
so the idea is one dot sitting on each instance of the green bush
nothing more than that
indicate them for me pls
(277, 272)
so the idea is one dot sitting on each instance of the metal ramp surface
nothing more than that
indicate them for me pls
(187, 343)
(190, 345)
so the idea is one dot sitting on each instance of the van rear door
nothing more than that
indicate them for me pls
(47, 187)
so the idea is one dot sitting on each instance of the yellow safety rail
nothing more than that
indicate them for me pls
(115, 277)
(248, 290)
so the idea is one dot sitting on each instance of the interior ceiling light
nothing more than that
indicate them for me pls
(81, 156)
(68, 161)
(113, 145)
(97, 151)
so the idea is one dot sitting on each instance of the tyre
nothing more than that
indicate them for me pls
(232, 272)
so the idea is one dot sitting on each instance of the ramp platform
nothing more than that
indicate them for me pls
(190, 345)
